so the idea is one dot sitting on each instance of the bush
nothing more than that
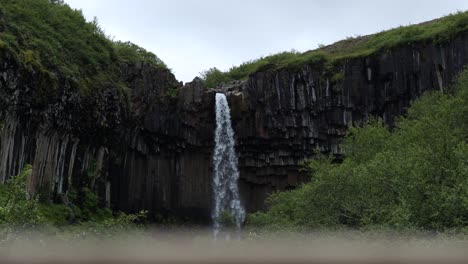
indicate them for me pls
(132, 53)
(19, 212)
(54, 214)
(226, 219)
(413, 177)
(214, 77)
(17, 209)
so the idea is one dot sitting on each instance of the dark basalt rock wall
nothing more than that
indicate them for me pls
(281, 118)
(164, 164)
(50, 123)
(145, 148)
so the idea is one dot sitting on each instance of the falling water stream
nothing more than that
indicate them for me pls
(226, 174)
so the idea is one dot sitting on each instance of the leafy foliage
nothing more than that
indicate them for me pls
(437, 31)
(132, 53)
(55, 36)
(16, 208)
(54, 214)
(18, 211)
(226, 219)
(172, 91)
(213, 77)
(413, 177)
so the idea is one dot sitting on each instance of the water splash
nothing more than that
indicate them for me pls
(226, 174)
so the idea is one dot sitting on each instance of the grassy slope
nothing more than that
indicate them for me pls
(55, 39)
(436, 31)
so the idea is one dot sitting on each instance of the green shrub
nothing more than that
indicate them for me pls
(132, 53)
(226, 219)
(172, 91)
(54, 214)
(20, 212)
(17, 209)
(214, 77)
(338, 77)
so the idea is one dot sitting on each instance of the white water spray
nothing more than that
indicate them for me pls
(226, 174)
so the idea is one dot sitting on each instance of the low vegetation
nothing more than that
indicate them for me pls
(413, 177)
(81, 218)
(214, 76)
(55, 39)
(16, 207)
(436, 31)
(129, 52)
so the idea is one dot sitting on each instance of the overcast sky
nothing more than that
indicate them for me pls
(192, 36)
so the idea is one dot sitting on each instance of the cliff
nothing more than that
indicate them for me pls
(149, 145)
(281, 118)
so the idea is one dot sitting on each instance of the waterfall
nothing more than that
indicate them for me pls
(226, 174)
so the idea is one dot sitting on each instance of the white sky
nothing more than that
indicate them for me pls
(194, 35)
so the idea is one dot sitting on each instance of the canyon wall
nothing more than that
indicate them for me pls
(150, 146)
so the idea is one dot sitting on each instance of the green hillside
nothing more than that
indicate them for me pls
(53, 38)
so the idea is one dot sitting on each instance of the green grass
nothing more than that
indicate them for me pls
(56, 39)
(436, 31)
(288, 59)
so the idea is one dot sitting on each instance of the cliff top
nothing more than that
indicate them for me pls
(51, 37)
(435, 31)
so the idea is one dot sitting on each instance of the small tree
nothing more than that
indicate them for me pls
(17, 209)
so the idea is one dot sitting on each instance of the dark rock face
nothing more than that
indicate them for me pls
(49, 123)
(164, 166)
(280, 118)
(147, 148)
